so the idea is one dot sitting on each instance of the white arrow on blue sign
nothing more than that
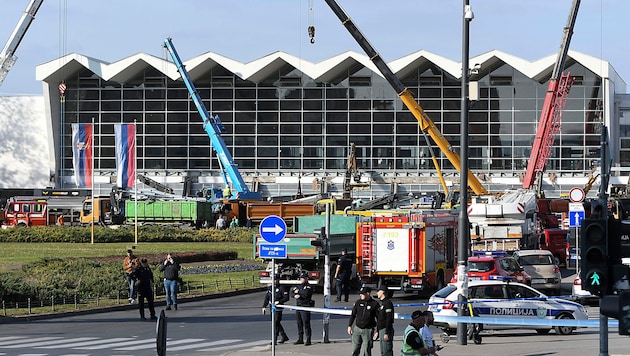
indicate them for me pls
(575, 218)
(273, 229)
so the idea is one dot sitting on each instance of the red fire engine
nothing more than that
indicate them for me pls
(413, 252)
(26, 213)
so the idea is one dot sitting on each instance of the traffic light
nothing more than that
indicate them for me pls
(320, 242)
(594, 255)
(618, 306)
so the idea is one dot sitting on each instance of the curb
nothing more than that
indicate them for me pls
(121, 307)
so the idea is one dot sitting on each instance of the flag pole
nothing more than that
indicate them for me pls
(135, 178)
(92, 180)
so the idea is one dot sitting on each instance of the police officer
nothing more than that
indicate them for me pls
(413, 344)
(303, 295)
(363, 317)
(342, 275)
(281, 296)
(385, 322)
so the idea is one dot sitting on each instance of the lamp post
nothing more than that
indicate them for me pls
(464, 231)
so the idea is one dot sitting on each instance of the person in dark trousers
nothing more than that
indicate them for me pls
(281, 296)
(342, 275)
(303, 295)
(413, 344)
(171, 268)
(385, 321)
(143, 277)
(363, 317)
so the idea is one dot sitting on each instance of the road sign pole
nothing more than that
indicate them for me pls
(273, 306)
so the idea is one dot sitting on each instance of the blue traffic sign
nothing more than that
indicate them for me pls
(272, 251)
(575, 218)
(273, 229)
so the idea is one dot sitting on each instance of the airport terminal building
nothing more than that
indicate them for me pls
(289, 120)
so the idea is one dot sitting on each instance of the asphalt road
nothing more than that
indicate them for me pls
(235, 326)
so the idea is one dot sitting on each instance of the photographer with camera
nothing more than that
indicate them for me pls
(171, 268)
(303, 294)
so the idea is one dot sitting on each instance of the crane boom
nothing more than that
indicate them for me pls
(553, 107)
(214, 127)
(426, 124)
(7, 56)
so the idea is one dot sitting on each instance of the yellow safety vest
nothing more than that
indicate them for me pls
(406, 349)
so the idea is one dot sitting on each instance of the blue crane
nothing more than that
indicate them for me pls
(214, 128)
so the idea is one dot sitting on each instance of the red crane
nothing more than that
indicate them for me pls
(553, 108)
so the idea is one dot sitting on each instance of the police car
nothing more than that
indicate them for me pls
(504, 299)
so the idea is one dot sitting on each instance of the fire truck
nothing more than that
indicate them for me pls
(413, 252)
(26, 213)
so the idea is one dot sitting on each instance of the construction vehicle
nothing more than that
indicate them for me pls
(426, 124)
(553, 108)
(304, 256)
(235, 192)
(505, 222)
(213, 126)
(410, 252)
(7, 56)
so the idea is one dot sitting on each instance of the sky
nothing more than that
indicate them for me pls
(245, 30)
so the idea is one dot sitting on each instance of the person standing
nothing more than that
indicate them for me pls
(363, 317)
(144, 279)
(342, 275)
(130, 263)
(281, 296)
(171, 268)
(426, 333)
(385, 321)
(413, 344)
(303, 295)
(220, 223)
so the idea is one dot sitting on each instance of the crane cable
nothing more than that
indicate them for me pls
(311, 21)
(63, 48)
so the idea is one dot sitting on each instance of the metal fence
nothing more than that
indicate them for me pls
(54, 304)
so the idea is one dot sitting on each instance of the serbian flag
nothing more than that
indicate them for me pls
(125, 135)
(82, 158)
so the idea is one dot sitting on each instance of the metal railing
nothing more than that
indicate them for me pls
(33, 306)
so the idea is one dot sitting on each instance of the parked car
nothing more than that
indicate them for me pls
(487, 265)
(495, 299)
(541, 266)
(581, 295)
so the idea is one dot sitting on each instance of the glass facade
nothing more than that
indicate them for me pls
(289, 122)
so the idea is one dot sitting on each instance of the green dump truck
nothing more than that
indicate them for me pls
(174, 212)
(303, 256)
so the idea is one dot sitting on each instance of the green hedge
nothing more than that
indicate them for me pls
(152, 233)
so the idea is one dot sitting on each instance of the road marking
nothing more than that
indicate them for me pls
(21, 340)
(247, 344)
(206, 344)
(136, 342)
(79, 345)
(152, 345)
(49, 342)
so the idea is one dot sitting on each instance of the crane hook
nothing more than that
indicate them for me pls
(311, 33)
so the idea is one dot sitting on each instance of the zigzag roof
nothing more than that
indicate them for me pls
(259, 69)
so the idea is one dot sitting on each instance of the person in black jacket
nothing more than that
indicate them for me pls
(385, 322)
(171, 268)
(363, 316)
(303, 295)
(281, 296)
(144, 287)
(342, 275)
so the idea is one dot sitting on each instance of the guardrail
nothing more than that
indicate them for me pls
(53, 304)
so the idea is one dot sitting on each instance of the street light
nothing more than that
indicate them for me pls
(464, 231)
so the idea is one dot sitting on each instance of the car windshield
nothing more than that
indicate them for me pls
(510, 265)
(478, 266)
(535, 260)
(445, 292)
